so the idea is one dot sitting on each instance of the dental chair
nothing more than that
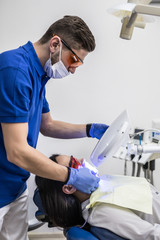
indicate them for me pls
(74, 233)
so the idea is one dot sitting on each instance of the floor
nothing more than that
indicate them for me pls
(46, 236)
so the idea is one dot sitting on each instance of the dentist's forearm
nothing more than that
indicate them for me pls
(58, 129)
(35, 162)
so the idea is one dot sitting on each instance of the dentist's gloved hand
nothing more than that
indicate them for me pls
(83, 179)
(96, 130)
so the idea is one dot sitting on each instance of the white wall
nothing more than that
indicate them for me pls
(118, 75)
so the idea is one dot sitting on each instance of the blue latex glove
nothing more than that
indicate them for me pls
(83, 180)
(97, 130)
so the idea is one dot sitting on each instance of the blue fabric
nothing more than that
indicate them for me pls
(104, 234)
(76, 233)
(22, 99)
(38, 202)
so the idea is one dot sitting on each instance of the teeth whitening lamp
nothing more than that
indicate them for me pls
(117, 136)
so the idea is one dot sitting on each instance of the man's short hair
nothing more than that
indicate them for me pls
(74, 31)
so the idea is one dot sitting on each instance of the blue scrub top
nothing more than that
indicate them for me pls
(22, 99)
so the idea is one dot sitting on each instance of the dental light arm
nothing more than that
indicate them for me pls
(129, 22)
(139, 149)
(147, 9)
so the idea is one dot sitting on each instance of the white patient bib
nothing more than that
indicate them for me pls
(124, 191)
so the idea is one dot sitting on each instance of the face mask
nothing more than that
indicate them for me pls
(57, 70)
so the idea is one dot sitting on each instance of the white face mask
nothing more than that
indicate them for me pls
(57, 70)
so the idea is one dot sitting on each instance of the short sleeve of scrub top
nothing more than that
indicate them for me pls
(15, 91)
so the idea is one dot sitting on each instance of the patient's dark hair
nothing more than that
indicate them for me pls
(63, 210)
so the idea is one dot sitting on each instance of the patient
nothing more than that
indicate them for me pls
(130, 217)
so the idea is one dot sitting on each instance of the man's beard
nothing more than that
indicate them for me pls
(55, 58)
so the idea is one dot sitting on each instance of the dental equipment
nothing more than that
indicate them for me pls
(133, 15)
(116, 135)
(118, 142)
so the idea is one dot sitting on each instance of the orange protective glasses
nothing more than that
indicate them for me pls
(74, 163)
(73, 59)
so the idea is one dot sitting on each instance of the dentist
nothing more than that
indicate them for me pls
(24, 112)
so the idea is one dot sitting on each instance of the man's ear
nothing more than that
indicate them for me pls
(68, 189)
(54, 43)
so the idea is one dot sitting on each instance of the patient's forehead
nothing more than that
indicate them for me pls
(63, 160)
